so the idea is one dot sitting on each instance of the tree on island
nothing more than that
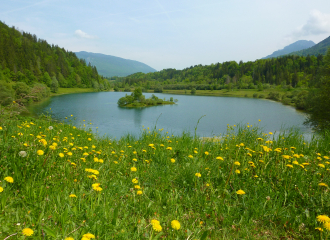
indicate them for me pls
(137, 99)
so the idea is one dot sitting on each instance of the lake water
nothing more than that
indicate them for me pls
(108, 119)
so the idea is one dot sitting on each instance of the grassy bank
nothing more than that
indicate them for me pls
(225, 93)
(59, 181)
(62, 91)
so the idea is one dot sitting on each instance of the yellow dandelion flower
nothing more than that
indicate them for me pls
(190, 156)
(220, 158)
(1, 189)
(240, 192)
(323, 218)
(40, 152)
(88, 235)
(319, 229)
(198, 175)
(175, 224)
(69, 238)
(326, 225)
(9, 179)
(72, 196)
(237, 171)
(206, 153)
(155, 221)
(135, 180)
(139, 192)
(168, 148)
(61, 155)
(321, 165)
(157, 227)
(137, 187)
(237, 163)
(289, 165)
(27, 232)
(172, 160)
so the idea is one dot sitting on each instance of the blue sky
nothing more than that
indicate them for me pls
(172, 34)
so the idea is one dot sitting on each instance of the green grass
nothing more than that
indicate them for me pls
(280, 201)
(225, 93)
(62, 91)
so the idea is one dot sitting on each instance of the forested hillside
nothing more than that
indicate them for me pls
(320, 48)
(25, 58)
(296, 46)
(287, 70)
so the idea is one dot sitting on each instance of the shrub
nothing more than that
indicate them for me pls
(255, 95)
(274, 96)
(193, 91)
(6, 93)
(261, 96)
(286, 101)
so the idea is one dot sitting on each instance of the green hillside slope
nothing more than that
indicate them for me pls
(110, 66)
(320, 48)
(296, 46)
(25, 58)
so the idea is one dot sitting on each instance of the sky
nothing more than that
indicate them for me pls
(172, 33)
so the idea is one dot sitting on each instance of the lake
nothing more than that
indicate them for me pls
(107, 118)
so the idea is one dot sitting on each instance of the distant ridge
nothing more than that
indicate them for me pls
(110, 66)
(294, 47)
(320, 48)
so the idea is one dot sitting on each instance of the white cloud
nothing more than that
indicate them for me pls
(82, 34)
(317, 24)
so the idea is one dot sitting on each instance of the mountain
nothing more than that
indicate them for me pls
(320, 48)
(110, 66)
(294, 47)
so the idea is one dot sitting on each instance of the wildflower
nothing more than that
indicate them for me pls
(0, 128)
(51, 147)
(206, 153)
(61, 155)
(270, 133)
(323, 218)
(320, 229)
(175, 225)
(137, 187)
(198, 175)
(237, 163)
(134, 159)
(69, 238)
(72, 196)
(157, 227)
(135, 180)
(201, 223)
(22, 154)
(249, 154)
(190, 156)
(219, 158)
(27, 232)
(172, 160)
(69, 153)
(139, 192)
(9, 179)
(40, 152)
(286, 156)
(289, 165)
(326, 225)
(323, 185)
(133, 169)
(155, 222)
(255, 176)
(295, 162)
(168, 148)
(240, 192)
(321, 165)
(98, 189)
(88, 236)
(115, 162)
(238, 171)
(151, 145)
(1, 189)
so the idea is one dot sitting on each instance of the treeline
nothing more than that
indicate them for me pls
(26, 59)
(295, 71)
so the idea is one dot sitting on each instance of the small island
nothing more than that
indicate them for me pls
(137, 99)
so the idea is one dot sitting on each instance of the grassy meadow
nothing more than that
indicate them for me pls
(59, 181)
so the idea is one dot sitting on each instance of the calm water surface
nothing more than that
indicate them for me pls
(108, 119)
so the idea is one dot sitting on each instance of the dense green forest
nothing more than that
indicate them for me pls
(296, 71)
(29, 65)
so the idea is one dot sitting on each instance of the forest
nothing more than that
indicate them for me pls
(29, 66)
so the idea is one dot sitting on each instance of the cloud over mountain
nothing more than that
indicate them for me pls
(82, 34)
